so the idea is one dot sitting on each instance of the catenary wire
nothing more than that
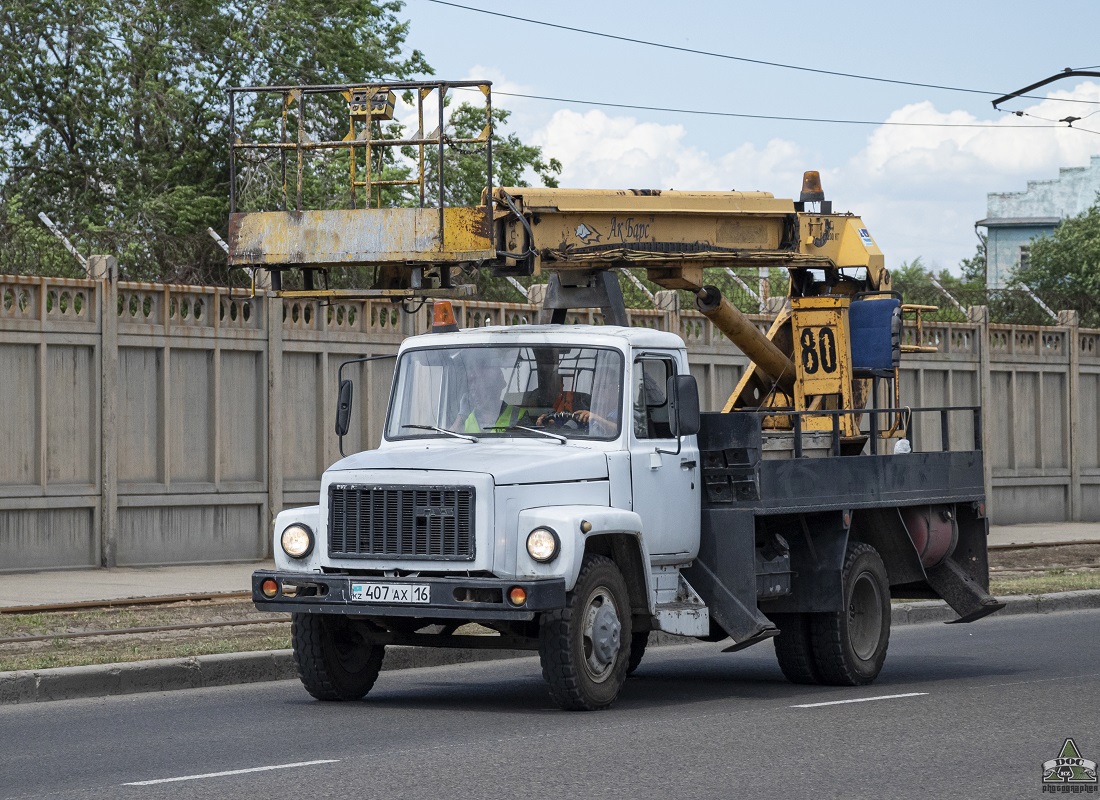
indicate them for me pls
(707, 113)
(744, 59)
(1057, 123)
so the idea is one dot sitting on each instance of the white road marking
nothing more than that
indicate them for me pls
(232, 772)
(1048, 680)
(861, 700)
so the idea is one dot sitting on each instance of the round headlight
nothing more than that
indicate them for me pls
(297, 540)
(542, 544)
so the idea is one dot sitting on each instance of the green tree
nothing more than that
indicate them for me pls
(464, 164)
(113, 120)
(973, 269)
(113, 114)
(1064, 268)
(911, 280)
(915, 283)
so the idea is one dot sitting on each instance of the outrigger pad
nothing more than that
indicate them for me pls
(969, 600)
(767, 633)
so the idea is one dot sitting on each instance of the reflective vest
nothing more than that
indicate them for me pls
(509, 416)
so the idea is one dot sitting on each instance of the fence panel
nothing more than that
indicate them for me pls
(157, 424)
(49, 392)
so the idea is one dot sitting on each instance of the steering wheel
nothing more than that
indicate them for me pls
(559, 419)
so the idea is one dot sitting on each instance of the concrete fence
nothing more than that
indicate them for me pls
(158, 424)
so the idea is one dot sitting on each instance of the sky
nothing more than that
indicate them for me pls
(919, 187)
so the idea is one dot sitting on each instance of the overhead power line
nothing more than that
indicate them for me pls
(742, 59)
(711, 113)
(775, 117)
(1068, 121)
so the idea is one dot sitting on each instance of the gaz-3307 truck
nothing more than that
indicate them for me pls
(558, 485)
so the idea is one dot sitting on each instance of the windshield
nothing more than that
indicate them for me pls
(574, 392)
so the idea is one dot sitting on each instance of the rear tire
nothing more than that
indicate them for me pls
(793, 648)
(584, 646)
(335, 660)
(849, 646)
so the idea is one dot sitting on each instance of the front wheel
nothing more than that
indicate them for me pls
(849, 646)
(335, 660)
(585, 647)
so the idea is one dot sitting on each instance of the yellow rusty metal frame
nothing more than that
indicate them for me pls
(359, 237)
(407, 238)
(674, 234)
(460, 291)
(917, 310)
(368, 136)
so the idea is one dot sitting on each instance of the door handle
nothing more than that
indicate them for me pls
(687, 465)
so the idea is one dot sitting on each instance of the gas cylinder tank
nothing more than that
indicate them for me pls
(934, 531)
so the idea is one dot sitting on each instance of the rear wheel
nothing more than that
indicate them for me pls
(849, 646)
(584, 646)
(335, 660)
(794, 649)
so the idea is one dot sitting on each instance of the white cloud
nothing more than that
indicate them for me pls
(602, 151)
(920, 189)
(1014, 145)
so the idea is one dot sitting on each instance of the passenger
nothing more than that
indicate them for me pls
(488, 411)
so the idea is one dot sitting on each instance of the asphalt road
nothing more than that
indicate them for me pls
(966, 711)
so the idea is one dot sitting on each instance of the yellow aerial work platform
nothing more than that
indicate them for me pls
(674, 235)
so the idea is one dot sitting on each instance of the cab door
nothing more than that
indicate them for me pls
(665, 487)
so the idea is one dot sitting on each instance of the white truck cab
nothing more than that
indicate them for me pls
(515, 464)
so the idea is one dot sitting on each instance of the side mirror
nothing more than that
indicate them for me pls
(683, 405)
(343, 409)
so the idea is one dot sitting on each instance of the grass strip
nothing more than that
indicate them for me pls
(210, 641)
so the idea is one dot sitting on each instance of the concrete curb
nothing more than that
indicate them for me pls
(1040, 545)
(938, 611)
(198, 672)
(162, 675)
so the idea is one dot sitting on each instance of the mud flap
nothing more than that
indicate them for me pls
(964, 594)
(764, 635)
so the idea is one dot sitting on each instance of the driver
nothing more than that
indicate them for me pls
(488, 411)
(567, 405)
(571, 406)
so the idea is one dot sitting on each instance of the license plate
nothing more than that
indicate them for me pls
(393, 593)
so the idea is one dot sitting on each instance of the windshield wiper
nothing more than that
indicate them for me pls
(464, 436)
(561, 439)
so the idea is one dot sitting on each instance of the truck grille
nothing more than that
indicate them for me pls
(401, 522)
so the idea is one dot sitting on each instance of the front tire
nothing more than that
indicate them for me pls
(849, 646)
(585, 647)
(335, 660)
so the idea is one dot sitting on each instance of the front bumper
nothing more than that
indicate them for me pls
(450, 598)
